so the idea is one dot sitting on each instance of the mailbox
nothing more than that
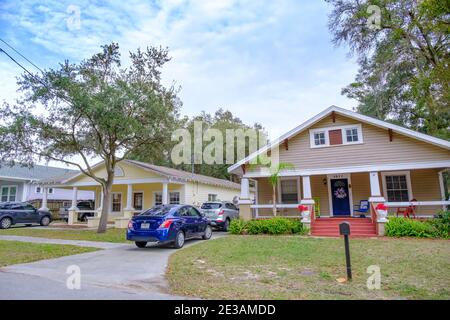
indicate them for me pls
(344, 229)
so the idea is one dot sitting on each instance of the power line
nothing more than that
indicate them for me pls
(21, 55)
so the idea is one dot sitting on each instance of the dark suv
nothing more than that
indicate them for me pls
(22, 212)
(86, 206)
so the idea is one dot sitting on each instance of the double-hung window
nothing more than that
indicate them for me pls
(351, 135)
(289, 192)
(397, 187)
(8, 193)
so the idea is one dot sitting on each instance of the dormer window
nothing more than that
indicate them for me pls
(352, 134)
(336, 136)
(319, 138)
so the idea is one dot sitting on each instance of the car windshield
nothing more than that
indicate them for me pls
(210, 205)
(157, 211)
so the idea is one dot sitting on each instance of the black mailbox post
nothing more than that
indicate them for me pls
(344, 229)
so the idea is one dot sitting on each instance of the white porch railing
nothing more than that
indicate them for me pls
(417, 203)
(270, 206)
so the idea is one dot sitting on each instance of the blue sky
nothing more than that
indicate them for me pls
(270, 62)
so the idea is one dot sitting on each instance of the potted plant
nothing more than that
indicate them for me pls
(382, 212)
(305, 212)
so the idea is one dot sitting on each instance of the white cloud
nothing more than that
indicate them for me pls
(268, 62)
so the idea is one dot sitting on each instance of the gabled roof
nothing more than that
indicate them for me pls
(350, 114)
(169, 173)
(176, 174)
(36, 172)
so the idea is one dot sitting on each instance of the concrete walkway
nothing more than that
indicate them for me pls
(81, 243)
(120, 271)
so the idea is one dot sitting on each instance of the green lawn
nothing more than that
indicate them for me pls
(294, 267)
(111, 235)
(13, 252)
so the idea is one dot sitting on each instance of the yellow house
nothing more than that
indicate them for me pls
(138, 186)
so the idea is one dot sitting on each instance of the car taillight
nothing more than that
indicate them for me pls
(130, 225)
(220, 216)
(221, 213)
(166, 224)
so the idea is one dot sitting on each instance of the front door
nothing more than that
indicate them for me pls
(340, 197)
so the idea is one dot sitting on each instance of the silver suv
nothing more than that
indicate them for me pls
(220, 213)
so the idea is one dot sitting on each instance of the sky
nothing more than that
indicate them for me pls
(270, 62)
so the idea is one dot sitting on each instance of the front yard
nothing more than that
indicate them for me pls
(13, 252)
(111, 235)
(293, 267)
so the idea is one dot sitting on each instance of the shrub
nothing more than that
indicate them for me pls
(237, 226)
(401, 227)
(273, 226)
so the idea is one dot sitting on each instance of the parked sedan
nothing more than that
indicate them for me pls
(12, 213)
(220, 213)
(168, 224)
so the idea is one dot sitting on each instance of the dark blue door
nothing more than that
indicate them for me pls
(340, 197)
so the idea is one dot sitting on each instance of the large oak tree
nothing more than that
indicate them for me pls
(91, 109)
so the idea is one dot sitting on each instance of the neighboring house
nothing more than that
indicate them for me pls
(342, 158)
(139, 186)
(20, 183)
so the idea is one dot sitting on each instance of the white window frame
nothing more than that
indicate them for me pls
(38, 191)
(143, 198)
(179, 196)
(397, 173)
(8, 195)
(299, 191)
(212, 194)
(121, 201)
(50, 190)
(168, 195)
(343, 129)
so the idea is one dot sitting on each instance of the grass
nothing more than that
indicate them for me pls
(111, 235)
(13, 252)
(294, 267)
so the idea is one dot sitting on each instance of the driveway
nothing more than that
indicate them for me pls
(120, 271)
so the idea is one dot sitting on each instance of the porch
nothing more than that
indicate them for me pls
(127, 199)
(335, 195)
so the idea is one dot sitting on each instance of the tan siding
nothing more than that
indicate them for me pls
(320, 190)
(376, 149)
(264, 191)
(360, 187)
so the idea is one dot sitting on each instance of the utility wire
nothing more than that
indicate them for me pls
(21, 55)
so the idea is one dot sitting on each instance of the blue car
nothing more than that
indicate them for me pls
(168, 224)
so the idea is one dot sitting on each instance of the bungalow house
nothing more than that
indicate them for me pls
(21, 183)
(341, 160)
(138, 186)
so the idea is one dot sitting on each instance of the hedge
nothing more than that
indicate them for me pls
(274, 226)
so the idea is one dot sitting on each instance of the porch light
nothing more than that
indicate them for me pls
(324, 181)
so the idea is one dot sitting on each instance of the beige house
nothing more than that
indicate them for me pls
(342, 158)
(138, 186)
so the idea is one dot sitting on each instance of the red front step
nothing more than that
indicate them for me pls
(360, 227)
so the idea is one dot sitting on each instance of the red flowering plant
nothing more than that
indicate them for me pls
(302, 208)
(381, 206)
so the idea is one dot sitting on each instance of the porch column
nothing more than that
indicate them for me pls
(73, 215)
(375, 199)
(375, 191)
(307, 201)
(245, 189)
(128, 212)
(245, 211)
(44, 200)
(165, 193)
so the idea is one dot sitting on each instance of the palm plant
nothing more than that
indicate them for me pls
(274, 178)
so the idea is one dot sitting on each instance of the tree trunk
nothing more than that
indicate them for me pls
(106, 194)
(274, 200)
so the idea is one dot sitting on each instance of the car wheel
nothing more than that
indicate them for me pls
(45, 221)
(208, 233)
(226, 225)
(5, 223)
(140, 244)
(179, 240)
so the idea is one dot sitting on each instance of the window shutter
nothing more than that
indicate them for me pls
(335, 137)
